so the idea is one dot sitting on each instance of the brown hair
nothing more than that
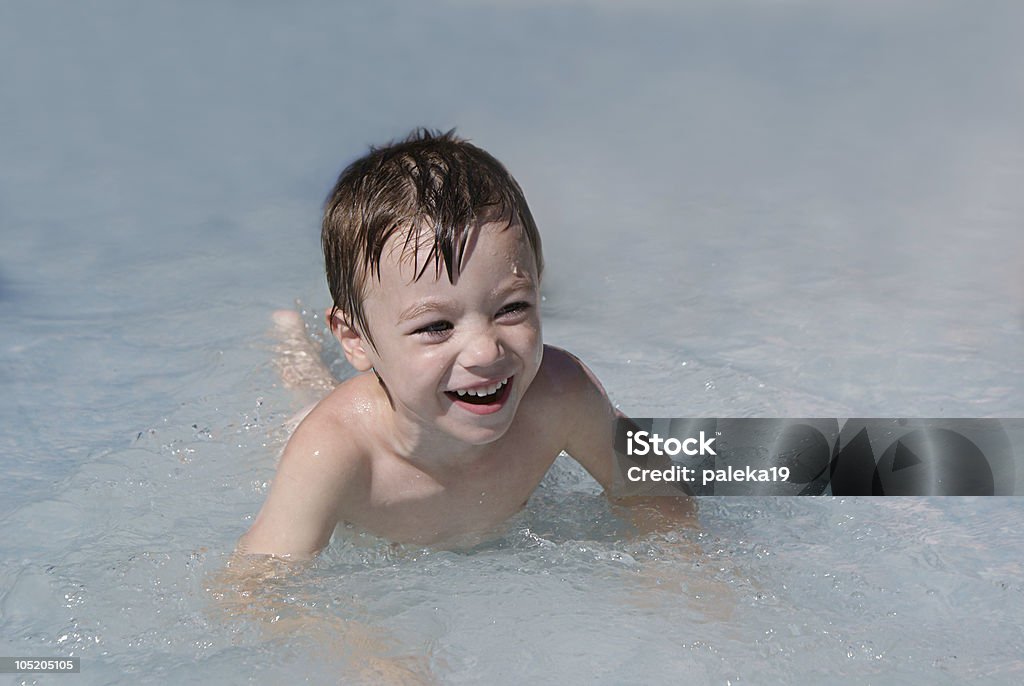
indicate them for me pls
(431, 182)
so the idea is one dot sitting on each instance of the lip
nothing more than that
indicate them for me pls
(489, 408)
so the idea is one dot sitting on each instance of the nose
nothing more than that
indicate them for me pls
(483, 348)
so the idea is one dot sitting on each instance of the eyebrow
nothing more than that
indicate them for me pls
(419, 309)
(441, 306)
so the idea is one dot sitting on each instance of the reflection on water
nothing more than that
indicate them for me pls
(748, 209)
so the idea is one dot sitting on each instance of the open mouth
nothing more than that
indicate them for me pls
(487, 395)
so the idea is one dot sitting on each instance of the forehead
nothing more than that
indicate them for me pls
(495, 254)
(411, 255)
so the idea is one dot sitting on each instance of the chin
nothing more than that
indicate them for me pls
(480, 434)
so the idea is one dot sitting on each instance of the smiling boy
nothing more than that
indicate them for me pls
(434, 265)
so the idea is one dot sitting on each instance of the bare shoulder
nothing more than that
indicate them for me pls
(352, 402)
(323, 474)
(563, 377)
(332, 442)
(572, 397)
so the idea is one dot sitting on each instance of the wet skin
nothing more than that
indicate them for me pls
(397, 451)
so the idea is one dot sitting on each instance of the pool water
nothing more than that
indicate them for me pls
(748, 209)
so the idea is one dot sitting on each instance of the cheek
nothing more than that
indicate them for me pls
(529, 342)
(534, 326)
(426, 367)
(413, 377)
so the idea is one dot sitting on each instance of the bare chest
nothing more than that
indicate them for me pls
(409, 504)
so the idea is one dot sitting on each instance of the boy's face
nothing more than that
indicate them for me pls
(458, 356)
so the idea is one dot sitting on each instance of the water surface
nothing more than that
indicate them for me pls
(748, 209)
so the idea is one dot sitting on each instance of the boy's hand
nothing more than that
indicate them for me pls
(659, 513)
(249, 589)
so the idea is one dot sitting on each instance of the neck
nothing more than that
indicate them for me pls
(424, 445)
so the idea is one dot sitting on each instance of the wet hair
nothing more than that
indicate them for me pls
(432, 186)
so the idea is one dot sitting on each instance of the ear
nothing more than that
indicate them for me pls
(352, 342)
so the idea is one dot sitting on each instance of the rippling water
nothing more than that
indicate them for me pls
(748, 209)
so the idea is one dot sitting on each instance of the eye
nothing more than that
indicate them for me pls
(516, 308)
(435, 329)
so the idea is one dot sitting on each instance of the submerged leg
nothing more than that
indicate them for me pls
(298, 356)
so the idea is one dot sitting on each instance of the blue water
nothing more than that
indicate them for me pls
(748, 209)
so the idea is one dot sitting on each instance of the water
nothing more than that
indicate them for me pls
(748, 209)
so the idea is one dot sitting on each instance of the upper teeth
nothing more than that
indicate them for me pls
(486, 390)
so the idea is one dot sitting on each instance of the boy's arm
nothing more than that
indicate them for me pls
(251, 587)
(317, 477)
(591, 422)
(591, 442)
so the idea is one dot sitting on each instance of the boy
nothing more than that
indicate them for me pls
(434, 264)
